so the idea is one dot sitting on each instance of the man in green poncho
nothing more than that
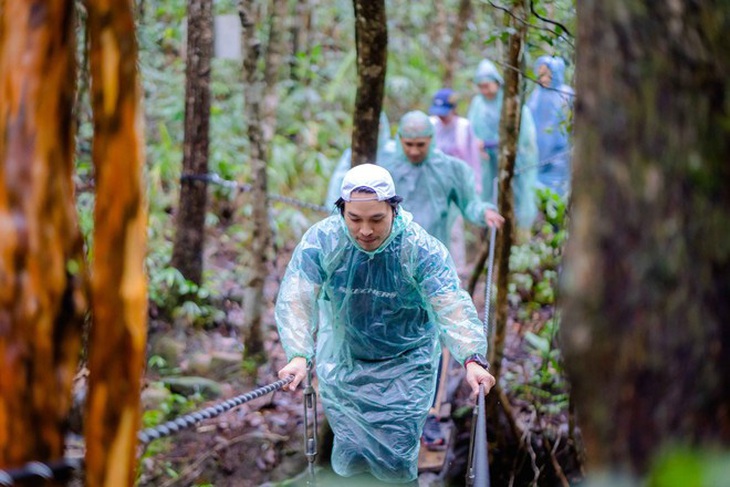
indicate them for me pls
(430, 181)
(432, 185)
(371, 296)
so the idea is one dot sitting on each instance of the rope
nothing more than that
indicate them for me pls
(214, 178)
(62, 469)
(184, 422)
(544, 162)
(57, 470)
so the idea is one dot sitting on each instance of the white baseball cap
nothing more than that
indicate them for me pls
(368, 176)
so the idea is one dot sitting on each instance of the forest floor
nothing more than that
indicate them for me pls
(262, 441)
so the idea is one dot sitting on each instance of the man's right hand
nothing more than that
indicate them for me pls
(296, 367)
(493, 219)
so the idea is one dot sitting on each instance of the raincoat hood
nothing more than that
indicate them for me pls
(413, 125)
(487, 71)
(556, 65)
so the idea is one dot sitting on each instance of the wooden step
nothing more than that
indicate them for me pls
(435, 461)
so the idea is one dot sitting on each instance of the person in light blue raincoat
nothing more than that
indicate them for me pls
(385, 149)
(430, 181)
(484, 114)
(370, 295)
(550, 104)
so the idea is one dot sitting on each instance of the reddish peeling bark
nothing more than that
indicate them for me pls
(42, 292)
(119, 284)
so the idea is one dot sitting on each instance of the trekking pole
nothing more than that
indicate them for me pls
(488, 286)
(478, 469)
(310, 430)
(490, 265)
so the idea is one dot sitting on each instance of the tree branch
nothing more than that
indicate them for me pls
(536, 27)
(549, 21)
(537, 82)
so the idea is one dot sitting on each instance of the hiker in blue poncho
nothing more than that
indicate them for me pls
(550, 104)
(484, 114)
(370, 295)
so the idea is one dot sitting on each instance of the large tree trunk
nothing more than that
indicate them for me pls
(119, 286)
(254, 302)
(371, 40)
(508, 136)
(300, 30)
(272, 66)
(187, 253)
(437, 26)
(647, 279)
(42, 292)
(450, 61)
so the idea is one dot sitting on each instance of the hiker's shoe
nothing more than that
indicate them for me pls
(433, 436)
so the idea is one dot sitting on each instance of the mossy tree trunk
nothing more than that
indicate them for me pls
(300, 31)
(647, 276)
(119, 285)
(187, 253)
(454, 48)
(508, 136)
(254, 301)
(371, 41)
(42, 289)
(273, 61)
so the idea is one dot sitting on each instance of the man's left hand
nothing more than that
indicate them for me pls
(475, 375)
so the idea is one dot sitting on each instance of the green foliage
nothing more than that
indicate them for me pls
(549, 36)
(546, 382)
(316, 91)
(172, 406)
(684, 467)
(534, 264)
(181, 299)
(554, 209)
(156, 362)
(250, 366)
(532, 287)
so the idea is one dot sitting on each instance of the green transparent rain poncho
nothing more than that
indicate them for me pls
(378, 318)
(484, 116)
(385, 147)
(430, 187)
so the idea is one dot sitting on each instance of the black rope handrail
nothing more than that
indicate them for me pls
(62, 469)
(542, 163)
(56, 470)
(214, 178)
(166, 429)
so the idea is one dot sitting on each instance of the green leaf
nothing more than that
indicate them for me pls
(539, 343)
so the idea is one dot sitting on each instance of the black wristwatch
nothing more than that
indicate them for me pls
(478, 359)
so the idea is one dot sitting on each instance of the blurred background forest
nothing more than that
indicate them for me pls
(197, 330)
(315, 85)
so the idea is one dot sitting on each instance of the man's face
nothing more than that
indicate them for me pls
(368, 220)
(544, 76)
(446, 119)
(416, 148)
(488, 89)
